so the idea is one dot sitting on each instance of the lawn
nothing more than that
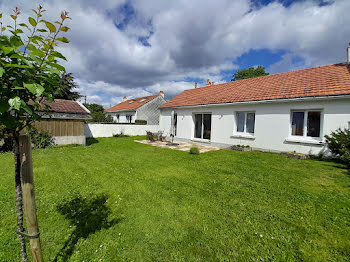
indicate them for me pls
(117, 200)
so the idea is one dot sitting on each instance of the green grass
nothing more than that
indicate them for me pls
(118, 200)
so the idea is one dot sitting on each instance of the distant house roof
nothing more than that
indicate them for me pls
(131, 104)
(66, 106)
(311, 82)
(65, 109)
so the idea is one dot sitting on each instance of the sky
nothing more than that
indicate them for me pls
(137, 48)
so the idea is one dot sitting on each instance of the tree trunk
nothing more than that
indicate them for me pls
(29, 197)
(19, 208)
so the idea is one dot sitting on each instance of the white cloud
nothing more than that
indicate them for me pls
(188, 39)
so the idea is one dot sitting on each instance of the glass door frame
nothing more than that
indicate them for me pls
(202, 127)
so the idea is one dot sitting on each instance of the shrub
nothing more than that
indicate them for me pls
(194, 150)
(40, 139)
(140, 122)
(338, 143)
(120, 135)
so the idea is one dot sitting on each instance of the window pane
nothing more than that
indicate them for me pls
(207, 126)
(198, 126)
(250, 123)
(313, 123)
(240, 118)
(298, 123)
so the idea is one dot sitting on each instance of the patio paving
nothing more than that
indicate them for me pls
(183, 146)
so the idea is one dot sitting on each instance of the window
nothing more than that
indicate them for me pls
(306, 123)
(175, 124)
(245, 122)
(129, 118)
(143, 100)
(131, 102)
(117, 117)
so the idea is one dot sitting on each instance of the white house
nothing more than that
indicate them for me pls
(290, 111)
(142, 108)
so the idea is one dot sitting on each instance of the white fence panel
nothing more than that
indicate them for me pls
(108, 130)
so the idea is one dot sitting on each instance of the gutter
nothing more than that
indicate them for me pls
(305, 98)
(133, 110)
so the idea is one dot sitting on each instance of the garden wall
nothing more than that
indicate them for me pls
(108, 130)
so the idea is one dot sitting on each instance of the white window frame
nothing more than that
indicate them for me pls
(244, 133)
(305, 136)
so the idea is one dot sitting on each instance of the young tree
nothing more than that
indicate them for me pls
(249, 73)
(98, 113)
(28, 77)
(66, 87)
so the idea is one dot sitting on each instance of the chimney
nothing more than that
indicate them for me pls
(195, 85)
(208, 82)
(161, 93)
(348, 54)
(124, 99)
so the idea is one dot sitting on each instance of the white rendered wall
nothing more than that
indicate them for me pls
(108, 130)
(69, 140)
(272, 123)
(122, 116)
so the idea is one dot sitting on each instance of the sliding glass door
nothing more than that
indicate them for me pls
(202, 126)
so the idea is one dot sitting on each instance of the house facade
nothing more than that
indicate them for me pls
(142, 108)
(290, 111)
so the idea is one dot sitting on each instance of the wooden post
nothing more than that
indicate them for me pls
(29, 197)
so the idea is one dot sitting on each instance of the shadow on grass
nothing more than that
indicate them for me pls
(87, 216)
(91, 140)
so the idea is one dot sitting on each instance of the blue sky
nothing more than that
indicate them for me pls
(137, 48)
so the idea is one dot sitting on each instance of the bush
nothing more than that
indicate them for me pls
(140, 122)
(6, 143)
(120, 135)
(194, 150)
(338, 143)
(40, 139)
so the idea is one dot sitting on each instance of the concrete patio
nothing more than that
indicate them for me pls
(183, 146)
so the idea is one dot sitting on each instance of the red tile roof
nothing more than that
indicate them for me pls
(310, 82)
(65, 106)
(131, 104)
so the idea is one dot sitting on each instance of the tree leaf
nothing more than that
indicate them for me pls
(64, 28)
(15, 103)
(18, 31)
(63, 39)
(38, 52)
(0, 15)
(3, 29)
(32, 21)
(13, 17)
(59, 67)
(59, 55)
(18, 66)
(4, 106)
(35, 89)
(2, 70)
(26, 108)
(42, 30)
(50, 26)
(6, 49)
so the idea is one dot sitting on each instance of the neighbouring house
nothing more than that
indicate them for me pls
(290, 111)
(142, 108)
(64, 121)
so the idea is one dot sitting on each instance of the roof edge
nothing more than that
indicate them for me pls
(276, 100)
